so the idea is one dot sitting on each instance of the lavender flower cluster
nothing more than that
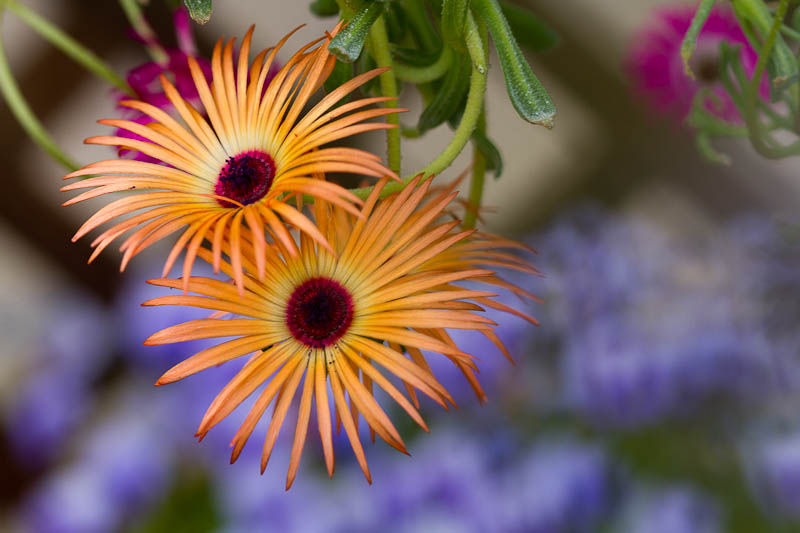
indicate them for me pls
(644, 327)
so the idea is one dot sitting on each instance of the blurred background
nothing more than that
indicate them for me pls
(659, 393)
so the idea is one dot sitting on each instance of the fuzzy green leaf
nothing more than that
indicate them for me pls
(527, 94)
(448, 96)
(454, 19)
(199, 10)
(349, 42)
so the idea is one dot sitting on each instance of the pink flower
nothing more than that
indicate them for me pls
(657, 69)
(144, 79)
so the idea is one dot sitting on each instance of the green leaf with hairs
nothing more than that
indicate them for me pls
(527, 94)
(454, 21)
(448, 96)
(349, 42)
(199, 10)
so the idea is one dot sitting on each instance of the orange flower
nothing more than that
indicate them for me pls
(239, 168)
(322, 319)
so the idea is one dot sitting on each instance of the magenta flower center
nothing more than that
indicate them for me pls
(245, 178)
(320, 311)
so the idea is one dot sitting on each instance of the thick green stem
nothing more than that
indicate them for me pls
(477, 179)
(383, 57)
(427, 74)
(470, 118)
(19, 107)
(135, 16)
(82, 55)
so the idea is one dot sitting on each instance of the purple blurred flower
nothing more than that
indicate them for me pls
(673, 509)
(657, 69)
(121, 470)
(561, 485)
(650, 324)
(51, 404)
(141, 322)
(494, 368)
(773, 465)
(54, 399)
(68, 502)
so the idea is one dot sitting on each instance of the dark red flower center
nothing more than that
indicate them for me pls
(245, 178)
(320, 311)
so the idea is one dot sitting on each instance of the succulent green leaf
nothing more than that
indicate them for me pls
(527, 94)
(690, 39)
(494, 161)
(414, 57)
(530, 31)
(324, 8)
(454, 19)
(199, 10)
(448, 97)
(349, 42)
(396, 22)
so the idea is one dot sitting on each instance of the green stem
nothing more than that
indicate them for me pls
(751, 115)
(137, 19)
(82, 55)
(427, 74)
(19, 107)
(383, 57)
(470, 118)
(789, 32)
(476, 180)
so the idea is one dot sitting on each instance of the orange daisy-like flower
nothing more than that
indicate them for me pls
(238, 168)
(320, 319)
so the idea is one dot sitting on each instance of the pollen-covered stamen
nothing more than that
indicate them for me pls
(320, 311)
(245, 178)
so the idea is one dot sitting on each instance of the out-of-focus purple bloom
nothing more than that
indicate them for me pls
(51, 403)
(131, 454)
(657, 69)
(494, 368)
(141, 322)
(650, 324)
(68, 503)
(561, 485)
(448, 478)
(54, 398)
(773, 465)
(122, 468)
(669, 510)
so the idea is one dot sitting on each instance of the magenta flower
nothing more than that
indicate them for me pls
(144, 79)
(657, 70)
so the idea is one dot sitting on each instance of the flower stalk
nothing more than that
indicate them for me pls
(478, 53)
(379, 39)
(22, 112)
